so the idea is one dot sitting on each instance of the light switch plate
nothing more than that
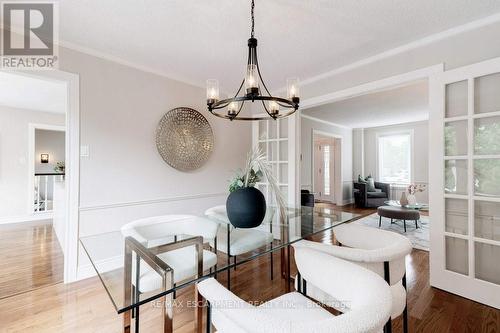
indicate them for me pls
(84, 151)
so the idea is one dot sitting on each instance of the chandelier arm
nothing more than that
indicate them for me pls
(225, 102)
(239, 110)
(265, 108)
(239, 89)
(260, 75)
(281, 115)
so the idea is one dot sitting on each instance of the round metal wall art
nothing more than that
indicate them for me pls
(184, 139)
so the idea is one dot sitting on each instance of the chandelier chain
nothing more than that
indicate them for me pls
(253, 19)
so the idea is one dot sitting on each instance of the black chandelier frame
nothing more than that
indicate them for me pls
(253, 95)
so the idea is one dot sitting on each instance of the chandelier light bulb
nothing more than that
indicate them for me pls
(292, 88)
(212, 91)
(232, 109)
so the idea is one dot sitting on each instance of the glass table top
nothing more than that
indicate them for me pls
(417, 206)
(116, 257)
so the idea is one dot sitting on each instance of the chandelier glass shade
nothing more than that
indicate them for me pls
(253, 89)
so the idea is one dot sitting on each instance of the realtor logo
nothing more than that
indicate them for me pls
(28, 39)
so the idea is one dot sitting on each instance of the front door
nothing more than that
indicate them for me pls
(324, 169)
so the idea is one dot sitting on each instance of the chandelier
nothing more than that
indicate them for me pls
(253, 84)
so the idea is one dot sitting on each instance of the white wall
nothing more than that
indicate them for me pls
(124, 177)
(455, 51)
(306, 136)
(420, 151)
(14, 158)
(52, 143)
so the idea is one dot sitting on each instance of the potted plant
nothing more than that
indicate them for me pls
(246, 205)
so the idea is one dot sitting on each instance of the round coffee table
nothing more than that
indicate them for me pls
(417, 206)
(398, 213)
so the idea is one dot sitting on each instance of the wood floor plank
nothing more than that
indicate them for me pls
(30, 257)
(85, 307)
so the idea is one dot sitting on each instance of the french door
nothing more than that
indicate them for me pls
(277, 139)
(464, 154)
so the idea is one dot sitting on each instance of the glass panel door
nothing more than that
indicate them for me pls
(465, 236)
(274, 142)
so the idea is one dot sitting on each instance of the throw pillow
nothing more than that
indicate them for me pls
(361, 179)
(370, 184)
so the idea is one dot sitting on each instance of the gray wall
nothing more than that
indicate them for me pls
(52, 143)
(420, 151)
(306, 136)
(124, 178)
(14, 158)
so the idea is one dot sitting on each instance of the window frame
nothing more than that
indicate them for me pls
(380, 135)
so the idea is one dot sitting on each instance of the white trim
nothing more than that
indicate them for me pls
(323, 121)
(31, 158)
(131, 64)
(347, 202)
(105, 265)
(373, 86)
(26, 218)
(151, 201)
(378, 135)
(72, 162)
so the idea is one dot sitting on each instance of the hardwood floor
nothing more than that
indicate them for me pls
(84, 306)
(30, 257)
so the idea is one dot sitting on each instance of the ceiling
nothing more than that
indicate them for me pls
(194, 40)
(394, 106)
(25, 92)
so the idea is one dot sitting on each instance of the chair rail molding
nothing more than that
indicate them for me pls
(152, 201)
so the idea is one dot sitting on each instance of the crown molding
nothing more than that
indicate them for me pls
(326, 122)
(121, 61)
(404, 48)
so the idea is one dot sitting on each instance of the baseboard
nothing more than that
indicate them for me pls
(105, 265)
(347, 201)
(26, 218)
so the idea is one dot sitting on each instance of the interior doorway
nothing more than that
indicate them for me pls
(327, 167)
(36, 107)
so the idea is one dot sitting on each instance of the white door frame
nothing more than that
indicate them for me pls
(426, 73)
(72, 82)
(31, 158)
(338, 174)
(464, 285)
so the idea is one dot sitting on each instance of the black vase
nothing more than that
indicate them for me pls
(246, 207)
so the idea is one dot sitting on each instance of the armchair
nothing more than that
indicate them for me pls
(306, 198)
(364, 198)
(153, 231)
(240, 240)
(380, 251)
(366, 295)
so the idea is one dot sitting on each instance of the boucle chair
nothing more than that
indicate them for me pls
(366, 295)
(380, 251)
(241, 240)
(153, 231)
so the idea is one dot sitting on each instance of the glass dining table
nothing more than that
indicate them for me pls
(118, 260)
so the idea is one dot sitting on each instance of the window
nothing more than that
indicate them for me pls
(326, 159)
(394, 158)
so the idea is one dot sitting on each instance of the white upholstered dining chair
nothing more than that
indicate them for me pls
(153, 231)
(380, 251)
(241, 240)
(366, 297)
